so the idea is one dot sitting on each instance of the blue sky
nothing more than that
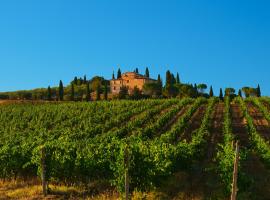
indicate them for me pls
(221, 43)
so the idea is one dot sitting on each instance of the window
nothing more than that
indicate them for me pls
(114, 88)
(127, 81)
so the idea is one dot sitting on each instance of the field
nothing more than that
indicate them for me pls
(170, 149)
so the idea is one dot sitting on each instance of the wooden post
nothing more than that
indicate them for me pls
(235, 173)
(43, 171)
(126, 163)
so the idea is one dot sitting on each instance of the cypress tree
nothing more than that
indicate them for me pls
(173, 79)
(113, 77)
(49, 94)
(84, 79)
(137, 70)
(119, 73)
(258, 91)
(240, 93)
(196, 90)
(61, 91)
(220, 94)
(75, 80)
(72, 92)
(211, 93)
(168, 78)
(159, 82)
(106, 91)
(147, 72)
(177, 78)
(88, 95)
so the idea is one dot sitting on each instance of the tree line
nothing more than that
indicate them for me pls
(98, 88)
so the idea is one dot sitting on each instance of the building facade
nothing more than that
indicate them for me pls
(129, 80)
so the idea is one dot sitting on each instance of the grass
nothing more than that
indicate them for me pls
(11, 190)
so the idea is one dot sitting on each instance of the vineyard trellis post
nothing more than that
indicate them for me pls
(235, 172)
(126, 164)
(43, 172)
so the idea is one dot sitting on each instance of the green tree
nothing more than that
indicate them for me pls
(177, 78)
(75, 81)
(61, 91)
(169, 90)
(136, 93)
(249, 91)
(123, 93)
(98, 93)
(173, 79)
(168, 78)
(221, 94)
(211, 93)
(72, 96)
(84, 79)
(147, 72)
(119, 74)
(159, 82)
(196, 93)
(240, 93)
(258, 91)
(137, 70)
(113, 77)
(202, 87)
(88, 92)
(49, 96)
(229, 92)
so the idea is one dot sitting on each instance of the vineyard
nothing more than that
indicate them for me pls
(180, 148)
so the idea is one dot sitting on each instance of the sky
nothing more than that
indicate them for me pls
(220, 43)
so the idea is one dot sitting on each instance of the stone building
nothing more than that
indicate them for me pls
(130, 80)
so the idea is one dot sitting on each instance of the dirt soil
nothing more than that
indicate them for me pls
(239, 125)
(255, 177)
(262, 125)
(174, 119)
(194, 123)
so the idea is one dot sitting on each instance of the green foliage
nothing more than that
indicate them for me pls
(147, 74)
(226, 155)
(61, 91)
(49, 94)
(259, 143)
(119, 73)
(221, 94)
(211, 93)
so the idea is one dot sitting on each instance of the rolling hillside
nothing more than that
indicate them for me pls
(172, 149)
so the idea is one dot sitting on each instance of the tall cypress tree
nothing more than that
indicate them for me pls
(137, 70)
(220, 94)
(72, 95)
(105, 91)
(177, 78)
(211, 93)
(61, 91)
(240, 93)
(113, 77)
(196, 90)
(88, 95)
(75, 80)
(169, 84)
(49, 96)
(168, 78)
(84, 79)
(147, 72)
(159, 82)
(258, 91)
(119, 74)
(173, 79)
